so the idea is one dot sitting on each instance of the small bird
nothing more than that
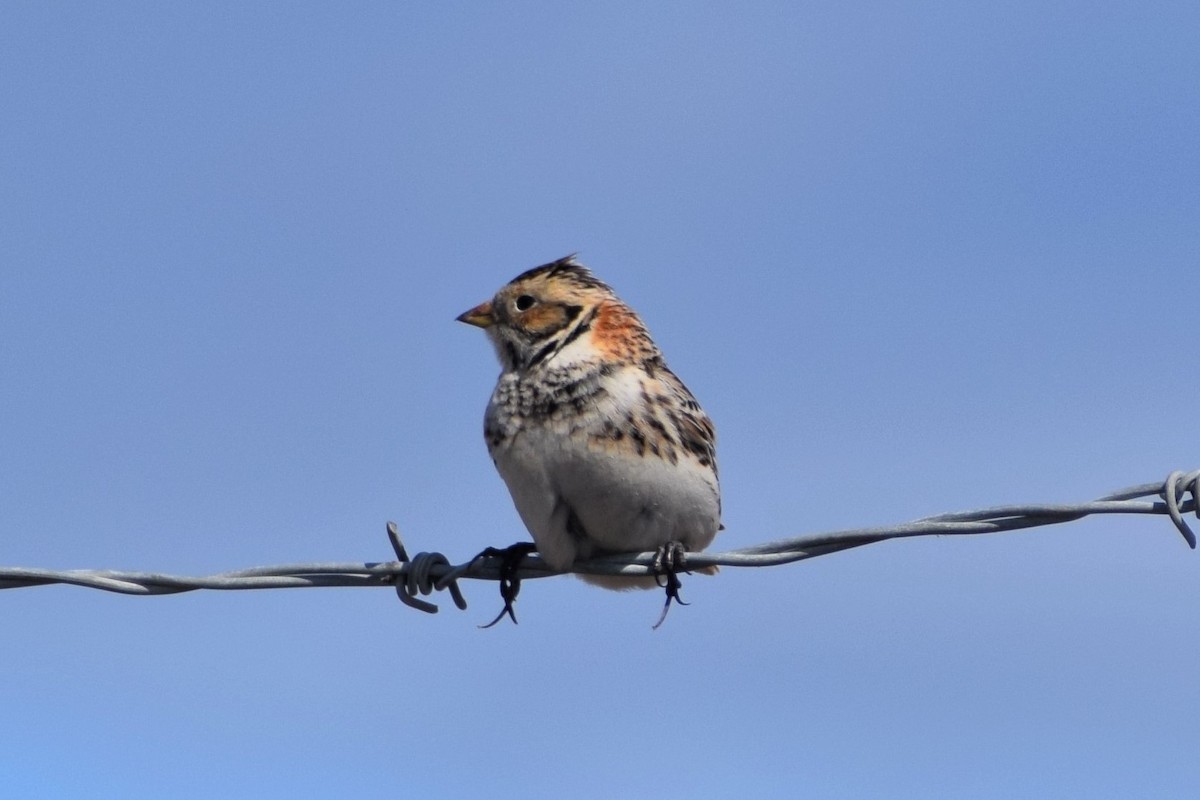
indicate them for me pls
(603, 449)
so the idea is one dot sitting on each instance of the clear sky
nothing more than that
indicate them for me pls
(912, 258)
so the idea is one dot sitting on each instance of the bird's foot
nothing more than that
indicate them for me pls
(510, 585)
(668, 563)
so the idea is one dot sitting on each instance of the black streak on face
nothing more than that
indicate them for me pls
(543, 354)
(580, 329)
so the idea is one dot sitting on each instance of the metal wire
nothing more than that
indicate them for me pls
(425, 573)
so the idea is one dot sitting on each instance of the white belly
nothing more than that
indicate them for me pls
(622, 502)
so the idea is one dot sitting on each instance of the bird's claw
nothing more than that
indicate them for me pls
(510, 585)
(668, 563)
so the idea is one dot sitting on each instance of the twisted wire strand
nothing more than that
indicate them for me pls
(425, 573)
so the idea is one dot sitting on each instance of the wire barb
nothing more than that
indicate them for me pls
(1177, 485)
(418, 578)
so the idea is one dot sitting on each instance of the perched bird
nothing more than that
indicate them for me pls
(602, 447)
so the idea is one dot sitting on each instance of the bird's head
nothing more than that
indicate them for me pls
(540, 311)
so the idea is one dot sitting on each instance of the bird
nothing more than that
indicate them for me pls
(602, 447)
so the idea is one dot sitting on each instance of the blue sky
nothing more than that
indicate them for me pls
(912, 259)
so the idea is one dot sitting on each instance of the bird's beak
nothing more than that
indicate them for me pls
(480, 316)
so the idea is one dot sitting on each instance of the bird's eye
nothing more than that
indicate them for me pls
(525, 302)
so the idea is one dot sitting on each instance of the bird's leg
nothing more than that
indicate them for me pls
(510, 585)
(668, 560)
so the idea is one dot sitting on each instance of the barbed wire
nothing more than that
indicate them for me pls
(425, 573)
